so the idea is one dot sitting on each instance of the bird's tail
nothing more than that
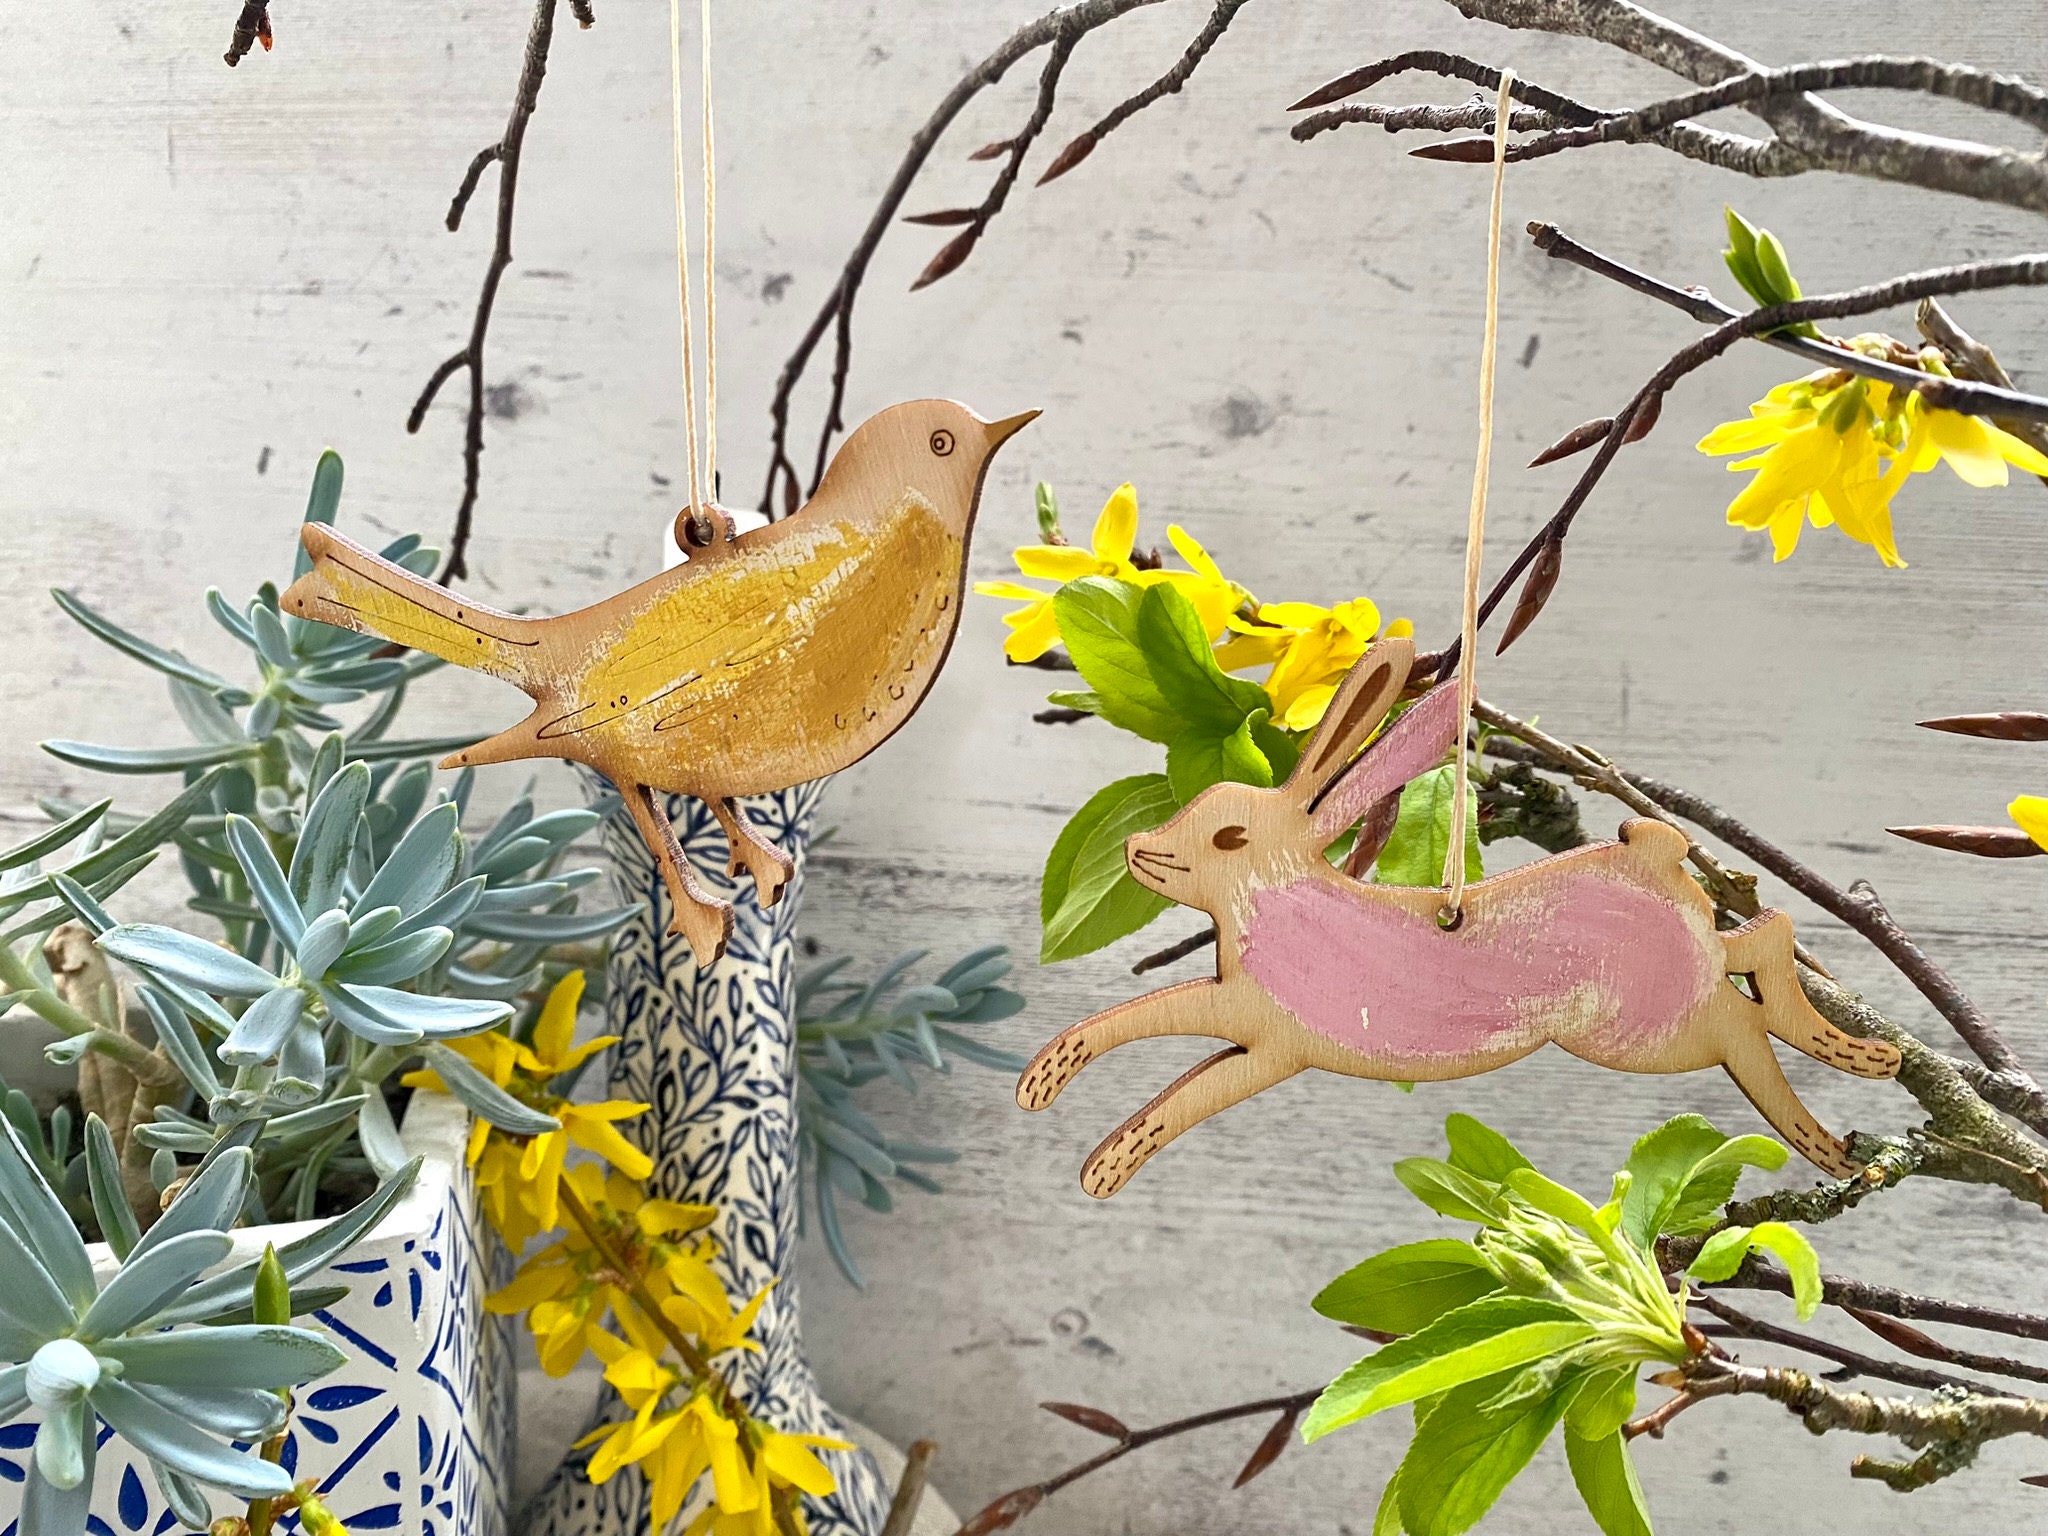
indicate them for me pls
(351, 588)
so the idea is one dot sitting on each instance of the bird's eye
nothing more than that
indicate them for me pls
(1229, 838)
(942, 442)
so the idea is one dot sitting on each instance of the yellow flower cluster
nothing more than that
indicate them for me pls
(1835, 449)
(638, 1261)
(1307, 648)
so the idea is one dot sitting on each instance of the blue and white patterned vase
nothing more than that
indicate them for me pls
(412, 1435)
(714, 1051)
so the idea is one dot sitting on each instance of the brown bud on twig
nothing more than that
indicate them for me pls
(1069, 157)
(1458, 151)
(1005, 1512)
(1536, 592)
(2038, 1480)
(1107, 1424)
(1899, 1335)
(950, 255)
(1641, 424)
(1269, 1449)
(1578, 440)
(944, 216)
(992, 151)
(1985, 842)
(1344, 85)
(2005, 725)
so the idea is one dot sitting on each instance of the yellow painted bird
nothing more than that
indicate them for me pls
(767, 660)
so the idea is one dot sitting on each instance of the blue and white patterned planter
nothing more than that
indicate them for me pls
(714, 1051)
(414, 1434)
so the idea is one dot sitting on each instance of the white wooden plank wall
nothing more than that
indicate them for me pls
(209, 275)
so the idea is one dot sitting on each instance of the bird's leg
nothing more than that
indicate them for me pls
(699, 916)
(769, 866)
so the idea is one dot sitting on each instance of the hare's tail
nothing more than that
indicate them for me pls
(1762, 948)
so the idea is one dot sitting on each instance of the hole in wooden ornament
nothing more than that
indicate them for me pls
(1745, 983)
(1450, 919)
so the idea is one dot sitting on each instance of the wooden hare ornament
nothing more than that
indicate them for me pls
(767, 660)
(1609, 951)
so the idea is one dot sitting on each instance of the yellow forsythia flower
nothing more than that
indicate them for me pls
(1309, 648)
(2030, 815)
(517, 1178)
(1034, 629)
(1836, 448)
(567, 1290)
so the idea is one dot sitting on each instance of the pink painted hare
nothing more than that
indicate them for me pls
(1609, 951)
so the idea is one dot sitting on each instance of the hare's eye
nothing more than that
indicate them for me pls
(1229, 837)
(942, 442)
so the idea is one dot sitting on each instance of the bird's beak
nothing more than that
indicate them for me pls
(1000, 432)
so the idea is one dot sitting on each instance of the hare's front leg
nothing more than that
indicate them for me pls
(1224, 1079)
(1204, 1007)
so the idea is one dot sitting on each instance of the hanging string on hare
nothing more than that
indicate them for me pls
(1608, 950)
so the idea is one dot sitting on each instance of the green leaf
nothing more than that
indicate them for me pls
(1686, 1162)
(1484, 1338)
(1792, 1250)
(1098, 620)
(168, 662)
(361, 750)
(1449, 1191)
(1464, 1455)
(485, 1098)
(1278, 746)
(1088, 898)
(1720, 1255)
(1604, 1401)
(1047, 506)
(57, 837)
(1741, 257)
(321, 503)
(1407, 1288)
(85, 754)
(1183, 666)
(1415, 849)
(183, 958)
(419, 867)
(103, 1182)
(1776, 270)
(1482, 1151)
(1607, 1482)
(1194, 761)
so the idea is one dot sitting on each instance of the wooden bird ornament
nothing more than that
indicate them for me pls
(767, 660)
(1608, 950)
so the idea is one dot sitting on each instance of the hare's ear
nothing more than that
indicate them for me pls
(1368, 691)
(1414, 744)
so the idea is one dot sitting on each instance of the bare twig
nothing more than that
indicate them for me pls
(1014, 1505)
(1748, 1327)
(1810, 134)
(252, 26)
(1080, 148)
(917, 1463)
(1178, 951)
(505, 153)
(1947, 1431)
(837, 311)
(1995, 93)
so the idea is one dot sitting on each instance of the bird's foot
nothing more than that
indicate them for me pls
(767, 865)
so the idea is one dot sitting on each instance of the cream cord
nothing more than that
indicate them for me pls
(1475, 527)
(675, 81)
(710, 275)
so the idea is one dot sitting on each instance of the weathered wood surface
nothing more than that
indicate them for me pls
(209, 275)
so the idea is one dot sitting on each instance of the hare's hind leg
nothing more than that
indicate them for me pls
(1193, 1008)
(769, 866)
(699, 916)
(1747, 1058)
(1226, 1078)
(1762, 947)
